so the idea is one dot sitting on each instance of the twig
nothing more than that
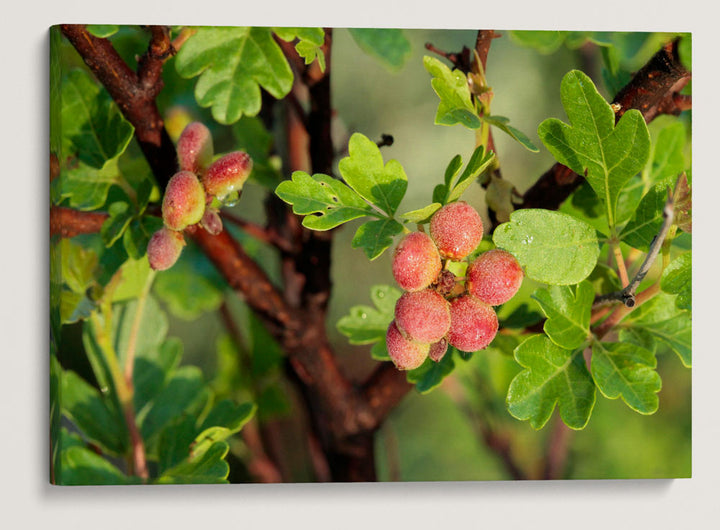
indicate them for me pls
(627, 294)
(266, 235)
(556, 452)
(385, 140)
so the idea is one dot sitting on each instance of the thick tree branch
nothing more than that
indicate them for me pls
(134, 93)
(67, 222)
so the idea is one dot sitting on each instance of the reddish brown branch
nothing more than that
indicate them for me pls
(557, 450)
(266, 235)
(653, 90)
(134, 94)
(67, 222)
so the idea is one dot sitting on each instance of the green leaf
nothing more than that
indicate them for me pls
(184, 390)
(380, 184)
(552, 375)
(233, 63)
(309, 43)
(647, 221)
(152, 371)
(379, 350)
(102, 31)
(74, 306)
(118, 220)
(374, 237)
(92, 125)
(668, 325)
(422, 215)
(365, 324)
(87, 187)
(333, 202)
(387, 45)
(77, 265)
(174, 442)
(607, 154)
(452, 88)
(138, 234)
(501, 122)
(147, 337)
(82, 467)
(545, 42)
(430, 374)
(520, 318)
(208, 467)
(552, 247)
(568, 313)
(677, 279)
(228, 415)
(628, 371)
(479, 161)
(97, 418)
(667, 160)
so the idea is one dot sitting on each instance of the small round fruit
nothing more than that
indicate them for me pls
(211, 221)
(195, 148)
(404, 353)
(416, 262)
(473, 324)
(227, 174)
(184, 201)
(438, 350)
(457, 230)
(494, 277)
(424, 316)
(164, 248)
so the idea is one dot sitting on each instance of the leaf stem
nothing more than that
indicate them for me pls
(620, 261)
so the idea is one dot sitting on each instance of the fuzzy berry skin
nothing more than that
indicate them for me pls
(195, 148)
(211, 221)
(473, 324)
(227, 174)
(457, 230)
(164, 248)
(404, 353)
(423, 316)
(438, 350)
(184, 201)
(416, 262)
(494, 277)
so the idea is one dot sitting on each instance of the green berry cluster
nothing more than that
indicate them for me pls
(437, 309)
(190, 193)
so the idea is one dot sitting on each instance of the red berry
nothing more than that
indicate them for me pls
(473, 324)
(404, 353)
(457, 230)
(438, 350)
(211, 221)
(164, 248)
(184, 201)
(416, 262)
(227, 174)
(195, 148)
(494, 277)
(424, 316)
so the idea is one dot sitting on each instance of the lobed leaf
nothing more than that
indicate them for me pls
(374, 237)
(552, 375)
(232, 64)
(592, 145)
(383, 185)
(387, 45)
(82, 467)
(309, 43)
(647, 221)
(568, 313)
(365, 324)
(502, 123)
(552, 247)
(626, 370)
(677, 279)
(333, 202)
(430, 374)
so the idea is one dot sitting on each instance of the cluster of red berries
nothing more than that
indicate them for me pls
(189, 194)
(438, 308)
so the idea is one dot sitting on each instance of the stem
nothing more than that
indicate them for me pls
(620, 312)
(622, 271)
(134, 330)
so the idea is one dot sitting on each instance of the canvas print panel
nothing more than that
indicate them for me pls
(329, 254)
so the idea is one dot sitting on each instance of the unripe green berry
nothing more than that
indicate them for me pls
(184, 201)
(227, 174)
(456, 229)
(494, 277)
(423, 316)
(164, 248)
(473, 324)
(195, 148)
(416, 262)
(404, 353)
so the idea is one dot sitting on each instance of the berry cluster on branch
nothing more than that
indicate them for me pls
(194, 195)
(438, 309)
